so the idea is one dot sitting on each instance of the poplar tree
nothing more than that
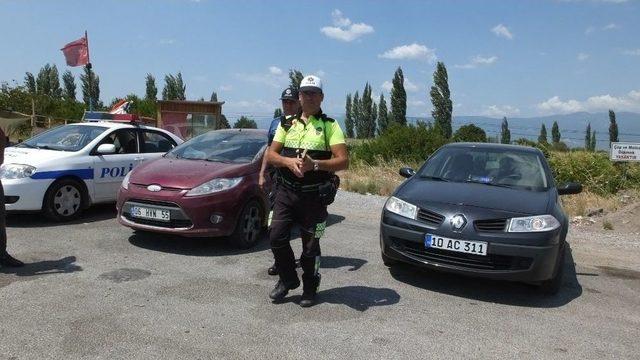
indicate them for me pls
(383, 116)
(542, 138)
(441, 100)
(505, 134)
(613, 128)
(69, 83)
(555, 132)
(398, 99)
(151, 91)
(348, 118)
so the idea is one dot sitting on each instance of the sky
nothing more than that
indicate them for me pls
(504, 58)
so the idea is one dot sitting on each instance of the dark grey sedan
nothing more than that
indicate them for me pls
(486, 210)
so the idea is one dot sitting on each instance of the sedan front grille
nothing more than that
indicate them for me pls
(430, 217)
(492, 225)
(488, 262)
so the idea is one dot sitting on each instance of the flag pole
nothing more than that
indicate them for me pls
(88, 66)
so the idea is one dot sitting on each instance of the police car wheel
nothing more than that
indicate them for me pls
(250, 226)
(64, 200)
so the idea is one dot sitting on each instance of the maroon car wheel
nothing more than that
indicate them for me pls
(250, 226)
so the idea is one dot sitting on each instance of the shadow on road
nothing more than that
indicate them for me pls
(334, 262)
(359, 298)
(192, 246)
(502, 292)
(47, 267)
(30, 220)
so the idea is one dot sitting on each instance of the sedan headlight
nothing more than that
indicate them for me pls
(16, 171)
(533, 224)
(214, 186)
(125, 181)
(401, 208)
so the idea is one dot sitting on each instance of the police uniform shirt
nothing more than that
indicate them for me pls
(272, 130)
(316, 136)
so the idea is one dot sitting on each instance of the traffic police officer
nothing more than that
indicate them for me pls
(307, 150)
(290, 106)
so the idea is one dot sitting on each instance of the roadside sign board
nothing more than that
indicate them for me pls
(625, 151)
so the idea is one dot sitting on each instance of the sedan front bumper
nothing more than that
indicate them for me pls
(529, 257)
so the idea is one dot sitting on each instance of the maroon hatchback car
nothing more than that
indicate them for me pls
(206, 187)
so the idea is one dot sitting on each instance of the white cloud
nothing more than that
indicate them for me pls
(589, 30)
(410, 52)
(611, 26)
(478, 60)
(583, 56)
(275, 70)
(344, 29)
(274, 77)
(634, 52)
(226, 87)
(500, 110)
(408, 86)
(167, 41)
(502, 31)
(628, 102)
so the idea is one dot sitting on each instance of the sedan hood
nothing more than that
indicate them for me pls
(185, 174)
(33, 157)
(422, 192)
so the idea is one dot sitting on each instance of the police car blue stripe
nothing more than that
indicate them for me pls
(81, 173)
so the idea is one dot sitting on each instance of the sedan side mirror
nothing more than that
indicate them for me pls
(106, 149)
(569, 188)
(407, 172)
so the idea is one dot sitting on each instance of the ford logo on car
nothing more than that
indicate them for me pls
(154, 188)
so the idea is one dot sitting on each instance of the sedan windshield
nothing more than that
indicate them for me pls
(64, 138)
(492, 167)
(222, 146)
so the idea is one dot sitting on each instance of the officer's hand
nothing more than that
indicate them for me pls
(307, 164)
(294, 165)
(261, 181)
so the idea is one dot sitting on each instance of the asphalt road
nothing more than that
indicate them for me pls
(94, 289)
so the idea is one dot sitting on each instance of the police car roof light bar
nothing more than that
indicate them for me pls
(94, 116)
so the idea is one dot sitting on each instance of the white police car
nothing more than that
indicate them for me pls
(66, 169)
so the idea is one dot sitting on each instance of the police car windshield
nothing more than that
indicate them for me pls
(222, 146)
(64, 138)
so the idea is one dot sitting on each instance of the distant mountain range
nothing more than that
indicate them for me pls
(572, 126)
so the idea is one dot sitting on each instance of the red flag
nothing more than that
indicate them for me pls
(77, 52)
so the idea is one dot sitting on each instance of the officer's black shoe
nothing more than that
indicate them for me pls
(310, 291)
(9, 261)
(281, 290)
(273, 270)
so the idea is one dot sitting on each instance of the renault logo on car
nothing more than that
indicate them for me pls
(458, 222)
(154, 188)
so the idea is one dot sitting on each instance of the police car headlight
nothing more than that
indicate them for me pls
(214, 186)
(533, 224)
(401, 208)
(125, 181)
(16, 171)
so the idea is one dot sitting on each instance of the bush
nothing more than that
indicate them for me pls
(594, 171)
(470, 133)
(245, 123)
(412, 144)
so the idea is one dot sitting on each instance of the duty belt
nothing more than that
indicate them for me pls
(296, 186)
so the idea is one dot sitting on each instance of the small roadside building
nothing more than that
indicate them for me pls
(189, 118)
